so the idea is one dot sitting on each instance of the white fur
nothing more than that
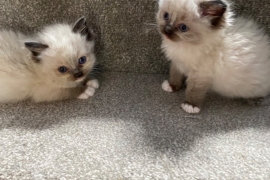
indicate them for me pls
(83, 96)
(166, 86)
(94, 83)
(190, 109)
(21, 78)
(90, 90)
(236, 58)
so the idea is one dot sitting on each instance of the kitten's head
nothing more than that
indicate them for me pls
(64, 53)
(191, 20)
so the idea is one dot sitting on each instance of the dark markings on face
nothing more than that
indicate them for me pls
(36, 59)
(78, 73)
(82, 67)
(170, 32)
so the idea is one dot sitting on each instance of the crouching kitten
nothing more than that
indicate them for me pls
(213, 50)
(52, 65)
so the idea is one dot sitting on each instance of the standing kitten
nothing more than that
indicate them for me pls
(213, 50)
(51, 66)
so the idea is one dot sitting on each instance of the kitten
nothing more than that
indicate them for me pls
(213, 50)
(53, 65)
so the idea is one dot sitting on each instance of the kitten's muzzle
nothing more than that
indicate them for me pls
(78, 74)
(168, 30)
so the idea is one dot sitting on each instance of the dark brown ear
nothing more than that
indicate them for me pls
(215, 10)
(35, 47)
(81, 27)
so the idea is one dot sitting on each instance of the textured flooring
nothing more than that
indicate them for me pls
(132, 129)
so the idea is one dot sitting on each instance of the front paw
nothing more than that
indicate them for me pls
(166, 86)
(92, 85)
(190, 108)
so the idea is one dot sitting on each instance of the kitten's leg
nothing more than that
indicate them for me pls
(80, 92)
(176, 80)
(195, 94)
(91, 85)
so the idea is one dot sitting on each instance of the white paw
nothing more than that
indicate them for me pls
(92, 85)
(83, 96)
(190, 109)
(166, 86)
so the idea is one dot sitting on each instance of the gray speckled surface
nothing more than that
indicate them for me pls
(131, 129)
(125, 43)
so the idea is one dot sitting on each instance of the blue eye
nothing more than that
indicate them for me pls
(183, 28)
(82, 60)
(62, 69)
(166, 16)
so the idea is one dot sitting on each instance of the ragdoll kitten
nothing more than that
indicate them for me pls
(213, 50)
(53, 65)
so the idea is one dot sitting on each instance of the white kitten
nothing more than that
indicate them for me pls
(53, 65)
(214, 50)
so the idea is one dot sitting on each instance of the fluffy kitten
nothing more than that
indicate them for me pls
(214, 50)
(53, 65)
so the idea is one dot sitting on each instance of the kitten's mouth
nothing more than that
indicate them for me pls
(79, 79)
(173, 38)
(79, 75)
(167, 37)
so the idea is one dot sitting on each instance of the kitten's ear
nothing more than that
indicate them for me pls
(35, 47)
(81, 27)
(214, 10)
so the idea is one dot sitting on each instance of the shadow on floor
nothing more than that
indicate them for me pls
(138, 100)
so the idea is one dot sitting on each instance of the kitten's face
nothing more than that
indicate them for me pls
(66, 54)
(189, 20)
(70, 64)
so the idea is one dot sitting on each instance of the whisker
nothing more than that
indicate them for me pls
(96, 70)
(151, 24)
(150, 27)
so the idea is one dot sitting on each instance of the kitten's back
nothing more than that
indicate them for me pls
(248, 33)
(12, 50)
(246, 59)
(14, 66)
